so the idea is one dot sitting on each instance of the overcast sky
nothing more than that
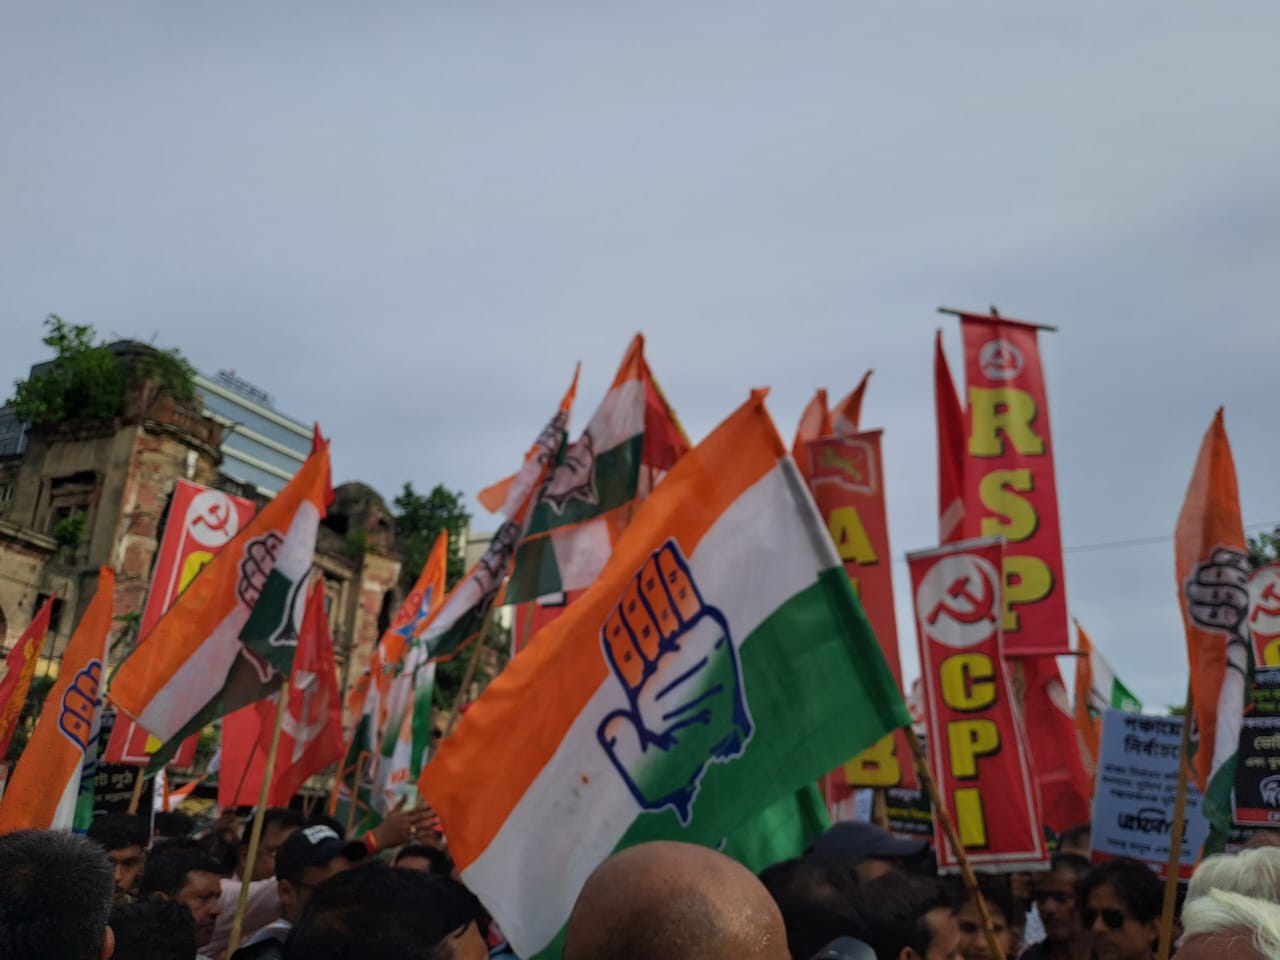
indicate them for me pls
(408, 220)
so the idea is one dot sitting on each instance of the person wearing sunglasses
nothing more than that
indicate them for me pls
(1054, 894)
(1120, 905)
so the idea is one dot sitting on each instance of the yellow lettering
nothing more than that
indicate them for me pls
(966, 681)
(877, 766)
(1015, 518)
(1271, 653)
(1026, 580)
(969, 740)
(850, 536)
(1006, 410)
(191, 566)
(971, 822)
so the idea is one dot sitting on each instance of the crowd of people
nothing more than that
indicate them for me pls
(860, 893)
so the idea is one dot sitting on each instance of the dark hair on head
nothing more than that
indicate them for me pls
(995, 891)
(893, 909)
(153, 930)
(324, 820)
(375, 912)
(167, 868)
(1070, 863)
(817, 896)
(173, 823)
(275, 817)
(441, 863)
(115, 831)
(55, 896)
(1133, 882)
(1075, 836)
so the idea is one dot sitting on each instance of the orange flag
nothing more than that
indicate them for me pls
(1088, 729)
(45, 785)
(848, 412)
(815, 423)
(1212, 570)
(19, 668)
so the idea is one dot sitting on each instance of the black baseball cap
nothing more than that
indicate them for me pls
(855, 840)
(313, 846)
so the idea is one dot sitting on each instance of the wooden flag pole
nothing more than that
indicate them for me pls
(1175, 834)
(995, 315)
(255, 834)
(136, 800)
(880, 808)
(949, 828)
(467, 675)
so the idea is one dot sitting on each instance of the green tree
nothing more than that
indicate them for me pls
(87, 380)
(1264, 548)
(419, 520)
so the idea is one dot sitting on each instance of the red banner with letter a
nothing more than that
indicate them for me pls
(977, 746)
(846, 476)
(1009, 485)
(200, 521)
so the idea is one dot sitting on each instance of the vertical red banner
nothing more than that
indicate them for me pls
(200, 522)
(1264, 614)
(977, 746)
(1009, 485)
(846, 475)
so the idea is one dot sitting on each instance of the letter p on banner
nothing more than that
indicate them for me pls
(977, 745)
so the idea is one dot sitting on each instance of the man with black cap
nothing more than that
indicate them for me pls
(871, 851)
(307, 859)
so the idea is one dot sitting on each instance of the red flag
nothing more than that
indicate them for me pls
(311, 738)
(847, 414)
(19, 668)
(317, 444)
(815, 423)
(1065, 788)
(950, 448)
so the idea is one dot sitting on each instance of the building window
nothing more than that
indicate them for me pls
(6, 495)
(55, 615)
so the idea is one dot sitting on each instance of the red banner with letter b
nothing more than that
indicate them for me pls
(977, 745)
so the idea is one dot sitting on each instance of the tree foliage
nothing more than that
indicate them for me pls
(419, 520)
(87, 380)
(31, 707)
(1264, 548)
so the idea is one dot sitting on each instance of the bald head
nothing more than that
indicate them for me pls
(676, 901)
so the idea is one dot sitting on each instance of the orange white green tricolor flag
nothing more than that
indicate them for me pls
(587, 501)
(16, 673)
(720, 663)
(44, 787)
(231, 636)
(1212, 569)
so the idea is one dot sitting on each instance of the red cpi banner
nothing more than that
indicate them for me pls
(1264, 614)
(1009, 484)
(200, 522)
(846, 476)
(977, 747)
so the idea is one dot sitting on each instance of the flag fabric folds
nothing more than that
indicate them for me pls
(232, 633)
(1212, 571)
(719, 664)
(44, 788)
(951, 444)
(19, 667)
(1098, 690)
(1066, 785)
(630, 443)
(847, 414)
(815, 423)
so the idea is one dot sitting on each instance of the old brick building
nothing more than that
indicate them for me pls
(78, 496)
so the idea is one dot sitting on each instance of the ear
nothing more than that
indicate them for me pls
(909, 953)
(108, 944)
(288, 895)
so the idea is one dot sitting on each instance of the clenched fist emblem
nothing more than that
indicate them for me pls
(1218, 594)
(686, 708)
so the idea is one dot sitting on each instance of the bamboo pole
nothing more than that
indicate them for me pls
(949, 828)
(136, 800)
(1175, 834)
(469, 673)
(255, 833)
(880, 808)
(994, 315)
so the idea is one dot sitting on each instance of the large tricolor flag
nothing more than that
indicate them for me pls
(44, 787)
(719, 663)
(629, 445)
(1212, 570)
(16, 673)
(230, 637)
(1098, 690)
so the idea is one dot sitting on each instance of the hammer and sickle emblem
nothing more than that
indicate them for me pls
(975, 608)
(220, 518)
(1268, 603)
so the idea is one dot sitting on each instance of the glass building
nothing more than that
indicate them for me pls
(261, 446)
